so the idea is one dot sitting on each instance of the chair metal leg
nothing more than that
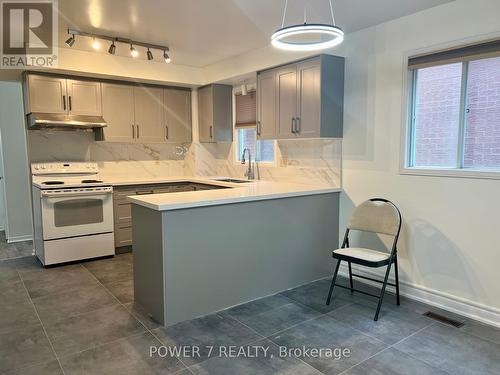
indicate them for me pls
(397, 278)
(333, 282)
(350, 278)
(382, 292)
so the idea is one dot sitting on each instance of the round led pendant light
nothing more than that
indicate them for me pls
(307, 36)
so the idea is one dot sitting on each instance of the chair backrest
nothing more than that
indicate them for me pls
(376, 215)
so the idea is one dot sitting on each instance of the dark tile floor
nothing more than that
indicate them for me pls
(81, 319)
(14, 250)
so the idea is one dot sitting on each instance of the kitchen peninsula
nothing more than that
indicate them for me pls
(252, 239)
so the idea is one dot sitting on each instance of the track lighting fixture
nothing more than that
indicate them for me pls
(70, 41)
(96, 44)
(134, 52)
(112, 48)
(166, 57)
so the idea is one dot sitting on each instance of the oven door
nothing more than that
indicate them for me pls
(76, 213)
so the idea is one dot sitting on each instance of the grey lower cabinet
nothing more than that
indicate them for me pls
(122, 209)
(301, 100)
(215, 106)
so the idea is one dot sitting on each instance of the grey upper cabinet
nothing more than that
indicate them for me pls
(84, 97)
(308, 99)
(118, 111)
(215, 113)
(48, 94)
(148, 107)
(177, 115)
(266, 105)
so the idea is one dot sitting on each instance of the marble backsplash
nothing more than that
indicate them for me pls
(311, 161)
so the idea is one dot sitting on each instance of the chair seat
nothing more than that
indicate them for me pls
(365, 255)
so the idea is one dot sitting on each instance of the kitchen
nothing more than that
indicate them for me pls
(182, 198)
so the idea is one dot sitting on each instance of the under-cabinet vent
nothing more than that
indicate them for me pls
(444, 319)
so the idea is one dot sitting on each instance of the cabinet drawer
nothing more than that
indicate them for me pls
(122, 194)
(123, 234)
(123, 212)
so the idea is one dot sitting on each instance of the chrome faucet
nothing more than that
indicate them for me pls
(250, 173)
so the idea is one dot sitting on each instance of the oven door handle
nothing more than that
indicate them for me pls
(69, 194)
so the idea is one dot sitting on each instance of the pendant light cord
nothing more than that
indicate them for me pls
(284, 14)
(331, 11)
(286, 6)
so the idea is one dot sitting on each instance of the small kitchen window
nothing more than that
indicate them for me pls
(246, 130)
(454, 112)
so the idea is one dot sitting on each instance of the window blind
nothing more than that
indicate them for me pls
(465, 53)
(246, 110)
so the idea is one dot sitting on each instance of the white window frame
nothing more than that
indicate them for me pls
(407, 134)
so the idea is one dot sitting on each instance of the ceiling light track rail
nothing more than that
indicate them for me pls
(116, 39)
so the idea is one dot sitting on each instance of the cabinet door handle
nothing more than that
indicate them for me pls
(64, 102)
(138, 132)
(69, 102)
(293, 125)
(166, 131)
(297, 125)
(258, 128)
(211, 132)
(133, 131)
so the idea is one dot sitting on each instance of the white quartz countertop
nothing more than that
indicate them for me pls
(239, 192)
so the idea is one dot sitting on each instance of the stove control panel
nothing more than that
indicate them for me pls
(64, 168)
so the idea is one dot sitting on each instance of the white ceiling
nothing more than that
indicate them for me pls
(202, 32)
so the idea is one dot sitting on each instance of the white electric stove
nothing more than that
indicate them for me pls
(73, 212)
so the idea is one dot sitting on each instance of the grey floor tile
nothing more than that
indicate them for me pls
(279, 318)
(16, 315)
(391, 327)
(453, 351)
(12, 292)
(393, 362)
(29, 264)
(213, 330)
(325, 332)
(44, 368)
(25, 346)
(89, 330)
(249, 309)
(265, 361)
(314, 296)
(57, 306)
(24, 248)
(141, 315)
(8, 272)
(125, 356)
(481, 330)
(57, 280)
(113, 269)
(8, 251)
(123, 290)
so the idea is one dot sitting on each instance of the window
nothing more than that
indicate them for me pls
(455, 110)
(262, 151)
(246, 130)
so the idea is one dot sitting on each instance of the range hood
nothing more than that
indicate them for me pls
(38, 120)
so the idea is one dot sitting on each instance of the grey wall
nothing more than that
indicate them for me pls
(17, 182)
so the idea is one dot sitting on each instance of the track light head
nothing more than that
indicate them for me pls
(112, 48)
(96, 44)
(166, 57)
(133, 51)
(70, 41)
(150, 55)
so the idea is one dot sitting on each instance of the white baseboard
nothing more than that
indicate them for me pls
(28, 237)
(445, 301)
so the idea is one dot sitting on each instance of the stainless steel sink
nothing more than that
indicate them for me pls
(233, 180)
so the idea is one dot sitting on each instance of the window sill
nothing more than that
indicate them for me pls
(493, 174)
